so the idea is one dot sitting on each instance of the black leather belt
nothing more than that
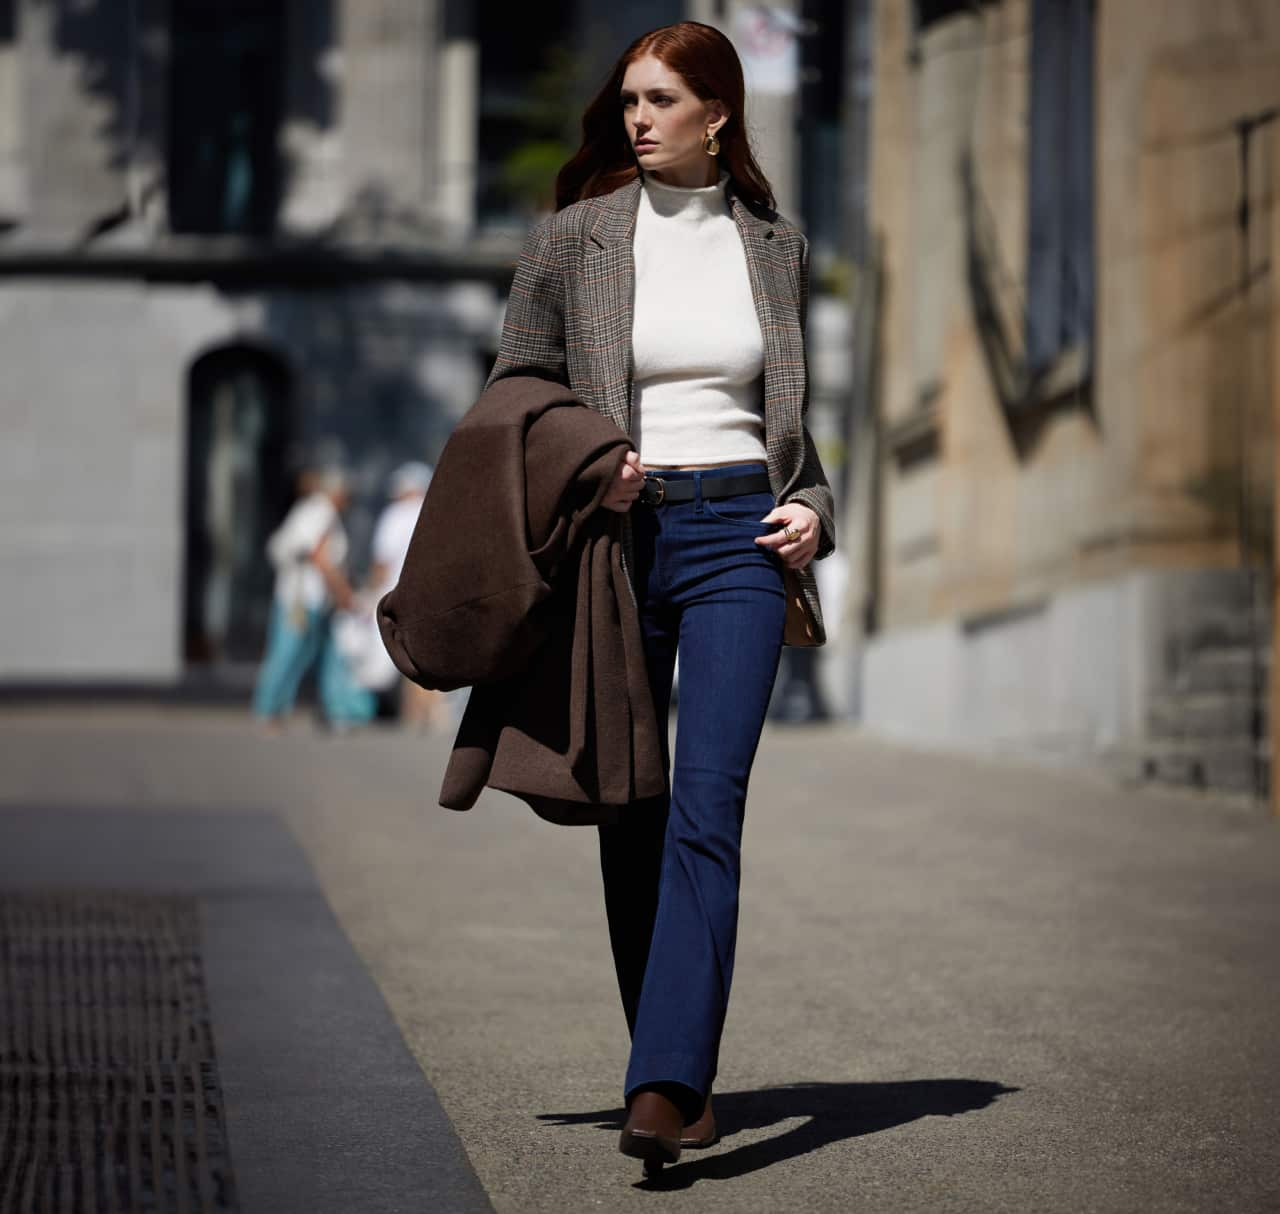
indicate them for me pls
(658, 492)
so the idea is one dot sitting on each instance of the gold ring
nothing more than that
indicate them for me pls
(792, 534)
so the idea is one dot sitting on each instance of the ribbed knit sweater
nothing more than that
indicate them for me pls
(698, 352)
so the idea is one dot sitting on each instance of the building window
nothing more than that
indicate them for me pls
(1060, 242)
(225, 103)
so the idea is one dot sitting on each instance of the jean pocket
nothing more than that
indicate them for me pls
(744, 510)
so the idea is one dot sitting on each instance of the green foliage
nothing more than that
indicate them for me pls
(529, 173)
(550, 118)
(554, 103)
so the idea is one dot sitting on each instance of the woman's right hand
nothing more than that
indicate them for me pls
(627, 483)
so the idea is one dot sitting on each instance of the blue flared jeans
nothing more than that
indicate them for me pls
(709, 594)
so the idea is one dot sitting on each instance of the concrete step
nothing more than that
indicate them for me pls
(1205, 715)
(1223, 766)
(1225, 625)
(1223, 668)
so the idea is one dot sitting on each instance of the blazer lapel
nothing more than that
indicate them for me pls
(770, 283)
(610, 272)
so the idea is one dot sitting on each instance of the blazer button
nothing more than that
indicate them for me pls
(769, 234)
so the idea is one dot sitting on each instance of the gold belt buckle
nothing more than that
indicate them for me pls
(654, 492)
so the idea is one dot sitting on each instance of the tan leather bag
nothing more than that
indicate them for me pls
(799, 627)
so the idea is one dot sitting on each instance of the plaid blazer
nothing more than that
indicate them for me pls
(569, 315)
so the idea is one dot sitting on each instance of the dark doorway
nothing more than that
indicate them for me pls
(237, 491)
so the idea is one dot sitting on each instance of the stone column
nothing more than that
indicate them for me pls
(771, 113)
(73, 137)
(310, 134)
(1274, 285)
(458, 104)
(390, 119)
(13, 193)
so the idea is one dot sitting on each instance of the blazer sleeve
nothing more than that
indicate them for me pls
(533, 330)
(811, 487)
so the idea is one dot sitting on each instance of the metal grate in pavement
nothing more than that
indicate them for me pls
(109, 1097)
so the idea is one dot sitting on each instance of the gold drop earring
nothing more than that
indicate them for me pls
(710, 144)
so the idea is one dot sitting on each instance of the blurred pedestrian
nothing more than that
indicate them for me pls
(309, 553)
(406, 489)
(667, 251)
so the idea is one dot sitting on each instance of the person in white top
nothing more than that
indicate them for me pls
(668, 294)
(407, 489)
(309, 553)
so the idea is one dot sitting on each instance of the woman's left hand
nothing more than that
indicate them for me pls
(797, 539)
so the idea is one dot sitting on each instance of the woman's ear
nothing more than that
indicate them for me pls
(717, 116)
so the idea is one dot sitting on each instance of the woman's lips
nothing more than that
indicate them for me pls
(645, 145)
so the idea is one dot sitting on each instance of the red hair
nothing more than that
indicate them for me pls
(709, 65)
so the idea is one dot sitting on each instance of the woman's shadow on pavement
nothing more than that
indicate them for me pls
(834, 1111)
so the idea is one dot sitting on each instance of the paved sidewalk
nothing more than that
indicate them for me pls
(960, 986)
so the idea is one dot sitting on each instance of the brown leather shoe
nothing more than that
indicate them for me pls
(702, 1133)
(652, 1132)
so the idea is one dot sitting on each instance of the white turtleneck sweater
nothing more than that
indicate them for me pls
(698, 352)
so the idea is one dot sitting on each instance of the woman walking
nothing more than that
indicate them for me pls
(668, 295)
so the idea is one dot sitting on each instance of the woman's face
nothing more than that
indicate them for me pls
(666, 123)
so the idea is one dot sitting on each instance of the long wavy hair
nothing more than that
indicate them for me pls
(709, 65)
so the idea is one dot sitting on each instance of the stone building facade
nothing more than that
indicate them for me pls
(236, 240)
(1070, 528)
(239, 237)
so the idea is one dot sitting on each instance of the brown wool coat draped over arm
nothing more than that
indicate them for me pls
(514, 584)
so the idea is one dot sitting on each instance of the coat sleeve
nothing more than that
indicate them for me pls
(533, 331)
(811, 487)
